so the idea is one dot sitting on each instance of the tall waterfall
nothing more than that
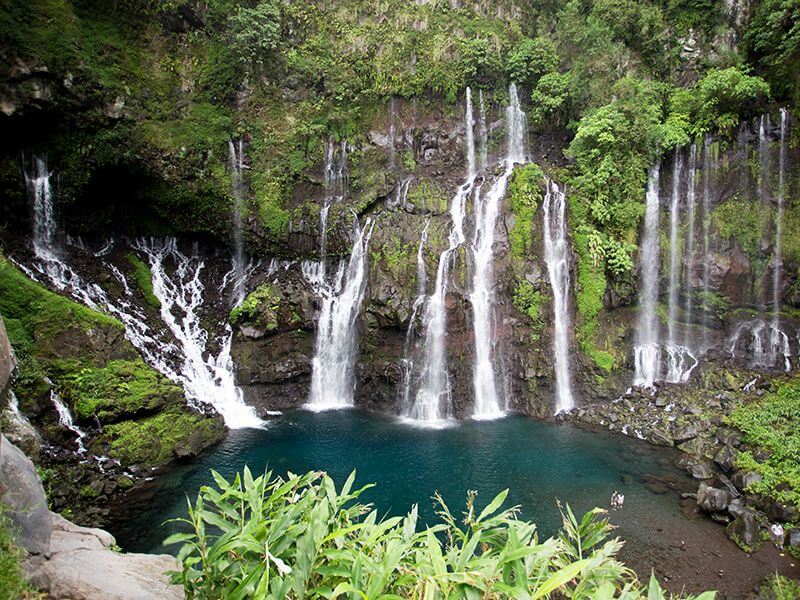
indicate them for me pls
(647, 350)
(180, 292)
(776, 340)
(487, 207)
(236, 152)
(680, 359)
(433, 400)
(204, 381)
(691, 210)
(333, 366)
(706, 228)
(556, 255)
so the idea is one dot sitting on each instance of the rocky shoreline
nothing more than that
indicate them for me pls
(694, 420)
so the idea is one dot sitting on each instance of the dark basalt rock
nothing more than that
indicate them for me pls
(726, 457)
(745, 530)
(712, 500)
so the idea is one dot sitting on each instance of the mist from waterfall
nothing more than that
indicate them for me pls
(556, 255)
(691, 216)
(205, 381)
(432, 401)
(337, 180)
(336, 345)
(487, 208)
(647, 352)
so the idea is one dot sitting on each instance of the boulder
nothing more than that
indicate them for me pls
(745, 531)
(685, 433)
(744, 479)
(697, 468)
(794, 538)
(785, 513)
(19, 430)
(712, 500)
(22, 493)
(726, 457)
(659, 438)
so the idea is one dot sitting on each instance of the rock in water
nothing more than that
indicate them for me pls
(22, 493)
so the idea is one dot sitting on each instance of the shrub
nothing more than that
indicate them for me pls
(530, 59)
(298, 537)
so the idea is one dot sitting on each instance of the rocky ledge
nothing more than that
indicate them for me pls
(67, 561)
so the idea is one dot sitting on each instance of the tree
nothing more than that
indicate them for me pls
(530, 59)
(256, 31)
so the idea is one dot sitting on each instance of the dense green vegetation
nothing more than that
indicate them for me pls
(13, 585)
(300, 537)
(770, 427)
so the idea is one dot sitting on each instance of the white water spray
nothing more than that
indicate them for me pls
(432, 400)
(556, 255)
(237, 181)
(777, 343)
(487, 405)
(333, 366)
(647, 351)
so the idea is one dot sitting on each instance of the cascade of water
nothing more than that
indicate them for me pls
(336, 183)
(647, 351)
(181, 296)
(44, 222)
(674, 265)
(336, 347)
(65, 419)
(764, 126)
(237, 181)
(487, 208)
(204, 381)
(408, 359)
(470, 135)
(556, 255)
(691, 211)
(706, 229)
(680, 360)
(776, 342)
(482, 132)
(432, 400)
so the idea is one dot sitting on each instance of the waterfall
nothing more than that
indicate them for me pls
(647, 351)
(336, 184)
(680, 360)
(236, 152)
(706, 229)
(204, 381)
(408, 359)
(433, 400)
(180, 293)
(487, 208)
(776, 342)
(690, 240)
(333, 366)
(482, 132)
(65, 419)
(556, 255)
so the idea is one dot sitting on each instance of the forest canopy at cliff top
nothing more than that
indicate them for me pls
(629, 79)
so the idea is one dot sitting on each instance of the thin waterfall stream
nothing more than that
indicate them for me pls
(556, 254)
(647, 351)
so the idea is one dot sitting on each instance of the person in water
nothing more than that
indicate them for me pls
(617, 500)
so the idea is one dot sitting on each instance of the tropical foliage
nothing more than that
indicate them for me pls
(299, 537)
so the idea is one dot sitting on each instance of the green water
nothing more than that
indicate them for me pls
(539, 462)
